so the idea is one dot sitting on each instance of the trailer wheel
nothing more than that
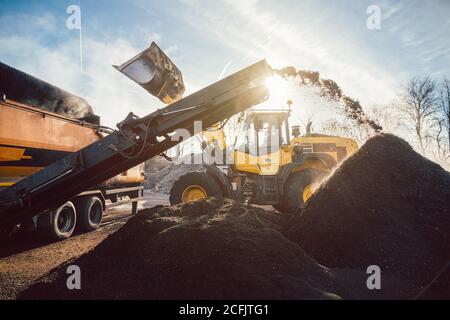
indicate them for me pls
(193, 186)
(90, 213)
(63, 223)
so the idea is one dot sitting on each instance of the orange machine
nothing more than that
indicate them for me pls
(41, 124)
(32, 138)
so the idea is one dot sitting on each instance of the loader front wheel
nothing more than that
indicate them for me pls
(299, 188)
(193, 186)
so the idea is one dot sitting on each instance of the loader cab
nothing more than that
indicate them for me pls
(263, 142)
(266, 131)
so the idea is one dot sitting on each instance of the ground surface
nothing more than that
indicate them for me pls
(363, 215)
(24, 258)
(206, 249)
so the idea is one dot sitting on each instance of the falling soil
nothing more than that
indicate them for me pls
(387, 206)
(330, 90)
(197, 250)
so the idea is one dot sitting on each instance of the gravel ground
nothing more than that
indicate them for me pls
(23, 258)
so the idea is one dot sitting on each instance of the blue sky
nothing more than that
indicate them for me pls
(210, 38)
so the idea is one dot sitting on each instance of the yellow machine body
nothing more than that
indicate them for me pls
(268, 166)
(32, 138)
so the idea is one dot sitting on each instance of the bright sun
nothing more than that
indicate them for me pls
(279, 92)
(275, 84)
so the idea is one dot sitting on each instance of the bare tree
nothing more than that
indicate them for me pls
(444, 107)
(347, 128)
(440, 135)
(437, 138)
(419, 105)
(387, 117)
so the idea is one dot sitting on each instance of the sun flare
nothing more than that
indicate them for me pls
(275, 84)
(279, 92)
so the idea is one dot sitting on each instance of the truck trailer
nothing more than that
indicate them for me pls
(32, 138)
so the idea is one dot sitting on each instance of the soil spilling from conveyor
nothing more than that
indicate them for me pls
(331, 91)
(199, 250)
(387, 206)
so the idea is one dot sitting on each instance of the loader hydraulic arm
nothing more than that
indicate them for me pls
(136, 140)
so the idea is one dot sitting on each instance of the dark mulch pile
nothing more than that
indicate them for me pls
(386, 205)
(198, 250)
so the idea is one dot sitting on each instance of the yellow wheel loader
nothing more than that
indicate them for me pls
(267, 166)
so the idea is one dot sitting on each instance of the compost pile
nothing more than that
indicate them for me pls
(387, 206)
(162, 181)
(197, 250)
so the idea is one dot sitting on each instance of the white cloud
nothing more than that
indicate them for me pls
(388, 9)
(171, 49)
(224, 70)
(261, 32)
(111, 94)
(246, 30)
(156, 37)
(40, 24)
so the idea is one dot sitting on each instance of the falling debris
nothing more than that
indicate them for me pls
(329, 89)
(387, 206)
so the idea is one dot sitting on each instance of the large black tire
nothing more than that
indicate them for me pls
(292, 198)
(63, 223)
(90, 213)
(201, 179)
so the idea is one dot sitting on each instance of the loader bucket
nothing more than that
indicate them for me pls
(156, 73)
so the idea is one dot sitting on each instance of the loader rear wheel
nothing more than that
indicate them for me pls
(63, 223)
(90, 213)
(299, 188)
(193, 186)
